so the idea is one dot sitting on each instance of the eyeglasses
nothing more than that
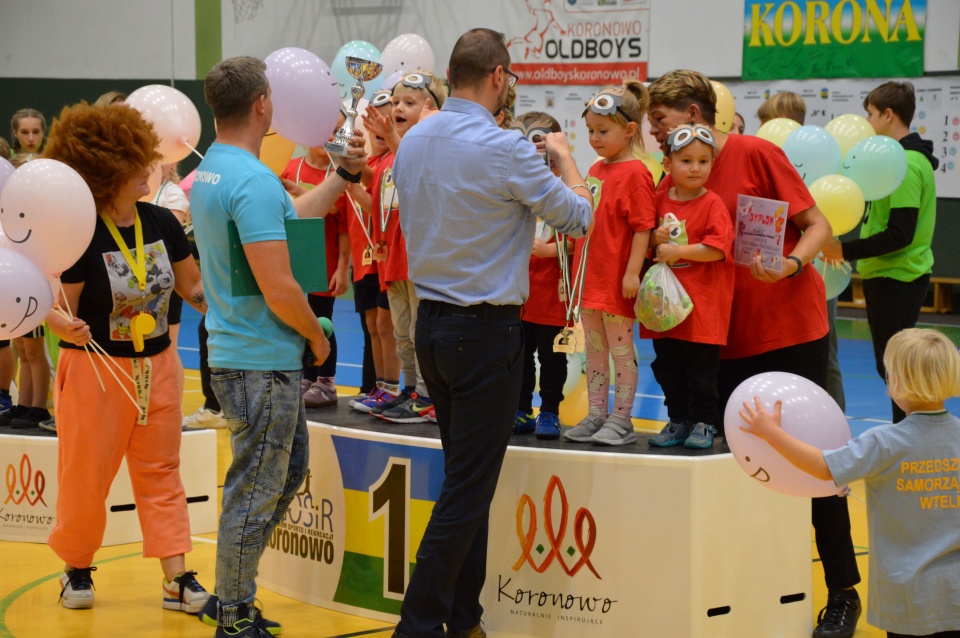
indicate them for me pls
(512, 79)
(419, 81)
(686, 133)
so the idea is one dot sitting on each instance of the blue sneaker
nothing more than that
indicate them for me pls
(701, 438)
(673, 433)
(548, 426)
(524, 423)
(5, 403)
(208, 616)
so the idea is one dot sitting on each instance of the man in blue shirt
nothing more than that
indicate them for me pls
(473, 192)
(256, 343)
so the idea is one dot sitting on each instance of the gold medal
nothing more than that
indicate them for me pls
(367, 256)
(565, 341)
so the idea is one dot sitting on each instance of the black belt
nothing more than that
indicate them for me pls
(480, 310)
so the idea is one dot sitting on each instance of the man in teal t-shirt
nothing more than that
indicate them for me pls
(893, 252)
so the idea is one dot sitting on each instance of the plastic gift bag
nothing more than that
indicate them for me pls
(662, 303)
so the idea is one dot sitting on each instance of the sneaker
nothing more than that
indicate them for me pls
(5, 404)
(839, 618)
(673, 433)
(396, 400)
(50, 425)
(305, 385)
(616, 430)
(548, 426)
(77, 592)
(581, 432)
(701, 437)
(416, 409)
(378, 397)
(360, 397)
(205, 418)
(208, 616)
(184, 593)
(524, 423)
(30, 419)
(322, 393)
(15, 412)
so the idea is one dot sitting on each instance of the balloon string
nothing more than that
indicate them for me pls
(857, 497)
(69, 316)
(183, 140)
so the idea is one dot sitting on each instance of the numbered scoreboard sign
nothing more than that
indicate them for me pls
(349, 539)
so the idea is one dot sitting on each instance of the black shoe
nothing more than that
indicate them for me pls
(208, 616)
(839, 618)
(30, 419)
(15, 412)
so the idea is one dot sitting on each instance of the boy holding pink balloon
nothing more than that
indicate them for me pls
(912, 474)
(894, 254)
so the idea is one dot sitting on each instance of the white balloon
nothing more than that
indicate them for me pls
(48, 214)
(6, 170)
(25, 296)
(174, 117)
(408, 51)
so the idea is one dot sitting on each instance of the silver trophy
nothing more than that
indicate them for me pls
(363, 71)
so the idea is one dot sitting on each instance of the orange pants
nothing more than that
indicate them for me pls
(96, 430)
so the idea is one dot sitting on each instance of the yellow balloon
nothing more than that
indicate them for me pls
(778, 130)
(840, 200)
(848, 130)
(276, 151)
(726, 109)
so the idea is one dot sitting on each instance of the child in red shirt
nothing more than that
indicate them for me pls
(695, 238)
(544, 313)
(623, 195)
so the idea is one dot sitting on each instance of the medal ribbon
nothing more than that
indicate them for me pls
(138, 265)
(573, 301)
(385, 214)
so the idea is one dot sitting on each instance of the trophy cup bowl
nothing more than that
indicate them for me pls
(363, 71)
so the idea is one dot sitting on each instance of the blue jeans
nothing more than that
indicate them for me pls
(266, 417)
(472, 365)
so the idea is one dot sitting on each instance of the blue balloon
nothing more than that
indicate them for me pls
(813, 152)
(345, 81)
(877, 164)
(836, 277)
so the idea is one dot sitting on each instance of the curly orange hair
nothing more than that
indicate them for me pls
(107, 145)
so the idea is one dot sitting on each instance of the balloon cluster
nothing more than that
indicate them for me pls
(47, 219)
(845, 165)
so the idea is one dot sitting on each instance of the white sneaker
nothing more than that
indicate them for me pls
(184, 594)
(77, 592)
(205, 418)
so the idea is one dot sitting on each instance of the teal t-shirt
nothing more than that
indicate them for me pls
(919, 191)
(232, 185)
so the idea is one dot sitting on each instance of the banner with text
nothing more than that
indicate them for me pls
(833, 38)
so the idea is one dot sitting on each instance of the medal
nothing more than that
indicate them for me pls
(380, 251)
(367, 256)
(565, 341)
(143, 323)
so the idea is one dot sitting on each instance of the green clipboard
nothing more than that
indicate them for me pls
(308, 258)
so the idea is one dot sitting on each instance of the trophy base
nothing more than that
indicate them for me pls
(339, 149)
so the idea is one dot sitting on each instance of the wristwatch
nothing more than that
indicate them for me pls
(799, 265)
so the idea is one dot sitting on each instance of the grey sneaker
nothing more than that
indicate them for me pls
(673, 433)
(581, 432)
(616, 430)
(50, 425)
(701, 438)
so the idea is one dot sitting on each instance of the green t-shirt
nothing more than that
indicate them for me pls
(919, 191)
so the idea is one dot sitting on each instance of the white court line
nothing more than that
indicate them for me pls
(203, 540)
(188, 349)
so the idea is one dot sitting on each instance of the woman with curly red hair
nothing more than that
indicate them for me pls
(120, 290)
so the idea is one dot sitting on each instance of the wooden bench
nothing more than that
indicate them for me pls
(942, 294)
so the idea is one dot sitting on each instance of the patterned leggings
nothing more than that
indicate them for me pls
(610, 335)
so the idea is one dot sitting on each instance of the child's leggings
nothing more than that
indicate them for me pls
(610, 335)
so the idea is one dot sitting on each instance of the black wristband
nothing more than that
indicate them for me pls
(349, 177)
(799, 265)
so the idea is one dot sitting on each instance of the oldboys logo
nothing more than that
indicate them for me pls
(24, 485)
(584, 533)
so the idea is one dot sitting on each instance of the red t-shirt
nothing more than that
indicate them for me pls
(358, 240)
(385, 205)
(704, 220)
(790, 311)
(334, 224)
(624, 205)
(543, 306)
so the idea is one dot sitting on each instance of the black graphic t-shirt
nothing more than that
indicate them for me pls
(111, 296)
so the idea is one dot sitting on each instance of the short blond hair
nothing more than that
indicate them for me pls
(680, 88)
(438, 88)
(922, 365)
(784, 104)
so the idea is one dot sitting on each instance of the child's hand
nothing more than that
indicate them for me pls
(833, 251)
(630, 286)
(295, 189)
(428, 109)
(661, 235)
(543, 250)
(758, 421)
(667, 253)
(375, 122)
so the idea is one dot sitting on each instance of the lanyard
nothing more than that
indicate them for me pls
(300, 165)
(385, 214)
(163, 186)
(138, 265)
(573, 301)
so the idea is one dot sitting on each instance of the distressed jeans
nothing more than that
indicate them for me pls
(265, 414)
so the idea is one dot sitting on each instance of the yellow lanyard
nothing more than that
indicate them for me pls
(138, 266)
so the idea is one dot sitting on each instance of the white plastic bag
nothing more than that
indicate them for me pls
(662, 303)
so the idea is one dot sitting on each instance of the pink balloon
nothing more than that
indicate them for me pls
(306, 100)
(48, 214)
(25, 297)
(408, 51)
(174, 117)
(187, 182)
(6, 170)
(808, 413)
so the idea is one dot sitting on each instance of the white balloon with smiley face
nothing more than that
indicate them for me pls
(808, 413)
(48, 214)
(25, 295)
